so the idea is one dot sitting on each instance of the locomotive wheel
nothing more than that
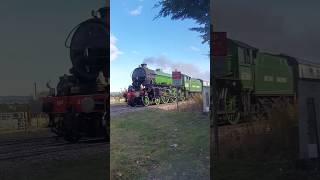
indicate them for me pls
(259, 112)
(232, 115)
(145, 100)
(71, 126)
(164, 99)
(173, 99)
(157, 101)
(233, 118)
(131, 103)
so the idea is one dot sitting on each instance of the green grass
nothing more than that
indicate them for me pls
(93, 167)
(141, 145)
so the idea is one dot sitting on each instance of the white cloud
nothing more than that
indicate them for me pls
(136, 11)
(114, 51)
(194, 48)
(135, 52)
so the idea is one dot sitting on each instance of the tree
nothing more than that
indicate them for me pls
(188, 9)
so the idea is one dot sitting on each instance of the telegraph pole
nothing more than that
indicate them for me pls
(177, 98)
(212, 109)
(35, 90)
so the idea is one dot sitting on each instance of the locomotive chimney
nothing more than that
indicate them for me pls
(144, 65)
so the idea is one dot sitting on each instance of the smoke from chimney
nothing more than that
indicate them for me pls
(186, 68)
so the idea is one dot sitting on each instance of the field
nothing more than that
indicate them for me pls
(160, 144)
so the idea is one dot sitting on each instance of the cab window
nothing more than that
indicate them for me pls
(241, 55)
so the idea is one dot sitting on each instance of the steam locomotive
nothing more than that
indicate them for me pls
(79, 106)
(251, 82)
(155, 87)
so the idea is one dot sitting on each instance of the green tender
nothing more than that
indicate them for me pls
(195, 85)
(272, 75)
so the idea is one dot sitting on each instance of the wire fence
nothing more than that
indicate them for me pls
(22, 120)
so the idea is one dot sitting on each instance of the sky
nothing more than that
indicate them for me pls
(161, 43)
(32, 36)
(286, 26)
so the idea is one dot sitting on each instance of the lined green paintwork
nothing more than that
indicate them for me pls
(190, 84)
(195, 85)
(185, 82)
(246, 76)
(163, 78)
(272, 75)
(267, 74)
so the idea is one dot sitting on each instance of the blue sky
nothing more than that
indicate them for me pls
(163, 43)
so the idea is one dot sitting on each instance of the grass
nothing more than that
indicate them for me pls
(263, 150)
(157, 143)
(93, 167)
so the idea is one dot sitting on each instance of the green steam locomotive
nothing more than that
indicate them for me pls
(155, 87)
(250, 82)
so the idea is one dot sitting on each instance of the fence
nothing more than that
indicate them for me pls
(22, 120)
(114, 100)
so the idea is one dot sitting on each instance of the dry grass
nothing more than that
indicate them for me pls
(264, 139)
(264, 149)
(196, 103)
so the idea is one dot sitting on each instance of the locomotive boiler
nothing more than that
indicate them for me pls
(79, 106)
(155, 87)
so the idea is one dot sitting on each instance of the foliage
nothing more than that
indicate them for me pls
(197, 10)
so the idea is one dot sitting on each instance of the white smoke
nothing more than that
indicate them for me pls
(189, 69)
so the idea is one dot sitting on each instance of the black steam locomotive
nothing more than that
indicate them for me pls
(79, 106)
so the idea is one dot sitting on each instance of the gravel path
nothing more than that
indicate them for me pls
(117, 109)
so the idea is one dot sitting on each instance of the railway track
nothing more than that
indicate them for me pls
(123, 108)
(29, 148)
(117, 109)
